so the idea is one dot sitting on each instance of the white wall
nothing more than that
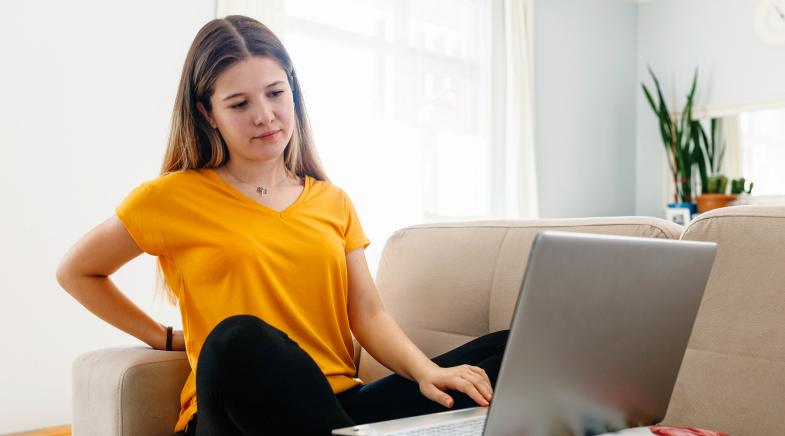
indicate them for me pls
(717, 36)
(88, 89)
(585, 85)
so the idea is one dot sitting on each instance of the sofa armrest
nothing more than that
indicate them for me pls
(127, 391)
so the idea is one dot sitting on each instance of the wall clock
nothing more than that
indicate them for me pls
(770, 21)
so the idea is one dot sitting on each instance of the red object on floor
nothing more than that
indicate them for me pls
(684, 431)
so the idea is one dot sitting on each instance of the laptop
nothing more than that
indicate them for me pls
(597, 337)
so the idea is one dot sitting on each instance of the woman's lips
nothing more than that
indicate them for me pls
(268, 136)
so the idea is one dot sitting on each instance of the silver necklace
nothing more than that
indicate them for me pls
(260, 189)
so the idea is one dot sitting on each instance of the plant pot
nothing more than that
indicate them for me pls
(707, 202)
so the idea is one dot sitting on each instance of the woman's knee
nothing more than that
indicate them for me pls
(239, 333)
(499, 338)
(239, 326)
(238, 322)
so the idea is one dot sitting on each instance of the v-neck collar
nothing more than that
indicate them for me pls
(212, 174)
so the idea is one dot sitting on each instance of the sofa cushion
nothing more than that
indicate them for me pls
(446, 284)
(732, 378)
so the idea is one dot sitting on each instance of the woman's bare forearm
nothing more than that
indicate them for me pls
(101, 297)
(384, 339)
(84, 273)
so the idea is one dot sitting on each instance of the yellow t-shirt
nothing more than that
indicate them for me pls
(224, 254)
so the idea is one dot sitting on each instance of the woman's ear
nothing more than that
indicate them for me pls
(206, 114)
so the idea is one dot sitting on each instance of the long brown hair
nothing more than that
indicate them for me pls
(193, 143)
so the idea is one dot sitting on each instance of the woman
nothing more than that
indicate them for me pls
(265, 259)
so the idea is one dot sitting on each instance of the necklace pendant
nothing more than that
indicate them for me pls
(261, 190)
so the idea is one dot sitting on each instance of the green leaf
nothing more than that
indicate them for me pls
(663, 106)
(708, 148)
(713, 133)
(698, 155)
(649, 98)
(664, 133)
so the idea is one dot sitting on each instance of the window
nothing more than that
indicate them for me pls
(401, 102)
(762, 150)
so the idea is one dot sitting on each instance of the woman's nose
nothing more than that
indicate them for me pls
(264, 114)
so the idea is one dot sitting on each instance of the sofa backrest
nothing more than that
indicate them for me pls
(446, 284)
(732, 378)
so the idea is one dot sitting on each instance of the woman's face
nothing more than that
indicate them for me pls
(253, 108)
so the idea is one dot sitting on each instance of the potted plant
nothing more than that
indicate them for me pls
(710, 151)
(738, 186)
(677, 138)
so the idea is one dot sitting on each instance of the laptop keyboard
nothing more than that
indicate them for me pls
(467, 427)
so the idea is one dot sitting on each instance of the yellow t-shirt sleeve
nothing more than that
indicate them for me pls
(141, 214)
(353, 234)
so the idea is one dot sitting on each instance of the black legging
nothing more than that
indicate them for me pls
(253, 380)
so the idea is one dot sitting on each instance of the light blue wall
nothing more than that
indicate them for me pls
(717, 36)
(585, 85)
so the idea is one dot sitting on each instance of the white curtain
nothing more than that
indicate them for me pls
(514, 100)
(731, 134)
(519, 109)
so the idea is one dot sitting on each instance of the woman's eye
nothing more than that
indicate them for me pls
(277, 93)
(239, 105)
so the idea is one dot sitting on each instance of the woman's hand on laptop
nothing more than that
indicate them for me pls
(471, 380)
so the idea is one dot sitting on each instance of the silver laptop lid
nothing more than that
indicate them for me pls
(598, 334)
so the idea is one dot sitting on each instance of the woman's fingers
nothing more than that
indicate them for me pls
(477, 375)
(470, 380)
(482, 384)
(468, 388)
(479, 371)
(435, 394)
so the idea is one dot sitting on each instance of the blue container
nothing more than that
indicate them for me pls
(691, 206)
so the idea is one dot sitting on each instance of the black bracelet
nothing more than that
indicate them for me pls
(169, 338)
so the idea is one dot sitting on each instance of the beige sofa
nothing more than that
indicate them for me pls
(449, 283)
